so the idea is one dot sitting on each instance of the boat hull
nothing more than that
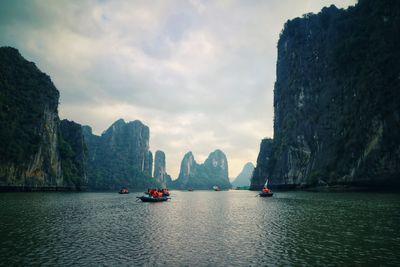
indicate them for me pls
(263, 194)
(151, 199)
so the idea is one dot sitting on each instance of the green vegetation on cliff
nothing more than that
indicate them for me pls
(73, 154)
(35, 153)
(214, 171)
(120, 157)
(337, 98)
(25, 93)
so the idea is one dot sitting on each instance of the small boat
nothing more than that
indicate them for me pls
(190, 189)
(123, 190)
(216, 188)
(266, 192)
(152, 199)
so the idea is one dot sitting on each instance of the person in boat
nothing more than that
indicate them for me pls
(165, 192)
(152, 192)
(266, 190)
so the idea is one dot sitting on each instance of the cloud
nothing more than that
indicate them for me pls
(200, 74)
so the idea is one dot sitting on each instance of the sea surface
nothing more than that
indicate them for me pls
(200, 228)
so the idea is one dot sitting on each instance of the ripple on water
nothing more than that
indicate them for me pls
(200, 228)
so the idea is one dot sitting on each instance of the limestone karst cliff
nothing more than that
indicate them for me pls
(243, 179)
(337, 99)
(31, 134)
(264, 164)
(214, 171)
(120, 157)
(160, 172)
(73, 154)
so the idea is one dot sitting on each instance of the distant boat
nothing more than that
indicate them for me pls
(152, 199)
(216, 188)
(190, 189)
(123, 190)
(266, 192)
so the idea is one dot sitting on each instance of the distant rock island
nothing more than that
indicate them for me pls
(336, 100)
(37, 150)
(243, 179)
(214, 171)
(160, 172)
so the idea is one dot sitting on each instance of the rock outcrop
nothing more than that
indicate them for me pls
(264, 164)
(30, 130)
(337, 99)
(214, 171)
(160, 172)
(243, 179)
(120, 157)
(73, 153)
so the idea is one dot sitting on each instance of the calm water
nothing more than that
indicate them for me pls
(202, 228)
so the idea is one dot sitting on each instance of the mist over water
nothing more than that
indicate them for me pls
(200, 228)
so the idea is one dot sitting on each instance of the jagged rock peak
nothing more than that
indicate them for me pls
(160, 173)
(186, 165)
(217, 159)
(214, 171)
(121, 124)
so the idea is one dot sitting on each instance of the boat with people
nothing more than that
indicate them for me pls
(266, 192)
(155, 195)
(216, 188)
(123, 190)
(153, 199)
(164, 191)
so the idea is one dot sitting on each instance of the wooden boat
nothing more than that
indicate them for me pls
(266, 194)
(123, 190)
(152, 199)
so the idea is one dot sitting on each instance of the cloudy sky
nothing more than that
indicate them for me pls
(199, 73)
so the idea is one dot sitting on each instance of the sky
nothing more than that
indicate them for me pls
(200, 74)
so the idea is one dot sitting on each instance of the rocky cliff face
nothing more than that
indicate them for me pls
(29, 128)
(119, 157)
(264, 164)
(73, 154)
(336, 99)
(160, 173)
(214, 171)
(243, 179)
